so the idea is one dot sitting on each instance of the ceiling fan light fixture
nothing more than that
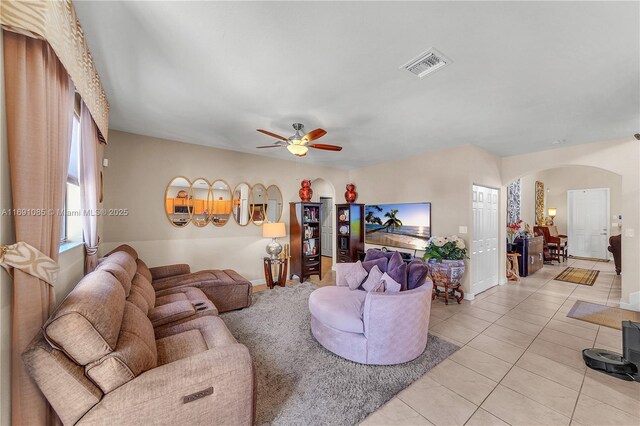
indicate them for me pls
(297, 149)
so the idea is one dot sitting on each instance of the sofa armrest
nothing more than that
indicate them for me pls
(166, 271)
(384, 311)
(341, 270)
(212, 387)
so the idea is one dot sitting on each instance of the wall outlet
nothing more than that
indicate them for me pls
(462, 229)
(105, 162)
(629, 233)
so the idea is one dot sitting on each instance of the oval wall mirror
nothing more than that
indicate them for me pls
(258, 204)
(200, 198)
(176, 201)
(274, 204)
(220, 202)
(240, 204)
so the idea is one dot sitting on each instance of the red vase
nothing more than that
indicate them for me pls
(305, 192)
(351, 195)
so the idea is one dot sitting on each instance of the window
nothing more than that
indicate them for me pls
(71, 220)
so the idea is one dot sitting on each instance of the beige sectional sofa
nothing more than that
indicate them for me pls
(227, 289)
(116, 351)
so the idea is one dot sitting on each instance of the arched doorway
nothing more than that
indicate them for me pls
(324, 193)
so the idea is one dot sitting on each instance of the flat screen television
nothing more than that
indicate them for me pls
(404, 225)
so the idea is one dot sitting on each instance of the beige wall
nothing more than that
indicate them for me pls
(562, 179)
(139, 169)
(558, 181)
(444, 178)
(621, 157)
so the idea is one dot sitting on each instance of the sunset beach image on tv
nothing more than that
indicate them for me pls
(406, 225)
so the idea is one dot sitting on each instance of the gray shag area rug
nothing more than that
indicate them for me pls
(299, 382)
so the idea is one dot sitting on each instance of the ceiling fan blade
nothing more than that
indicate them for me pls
(273, 135)
(326, 147)
(270, 146)
(313, 135)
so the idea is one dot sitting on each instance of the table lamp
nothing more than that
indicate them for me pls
(274, 231)
(552, 213)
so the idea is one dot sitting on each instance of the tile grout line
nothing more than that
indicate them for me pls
(537, 290)
(528, 346)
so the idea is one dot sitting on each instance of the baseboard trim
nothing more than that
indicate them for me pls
(469, 296)
(634, 302)
(259, 281)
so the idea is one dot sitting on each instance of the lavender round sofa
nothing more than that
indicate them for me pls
(371, 328)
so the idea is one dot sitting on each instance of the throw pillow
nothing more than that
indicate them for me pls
(397, 269)
(390, 285)
(373, 254)
(374, 280)
(417, 272)
(355, 276)
(381, 263)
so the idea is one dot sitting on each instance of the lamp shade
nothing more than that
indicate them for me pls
(297, 149)
(551, 212)
(273, 230)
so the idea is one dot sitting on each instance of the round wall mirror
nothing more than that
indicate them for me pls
(258, 204)
(274, 204)
(177, 205)
(200, 198)
(220, 202)
(240, 204)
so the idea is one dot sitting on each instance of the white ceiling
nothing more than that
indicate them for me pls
(524, 74)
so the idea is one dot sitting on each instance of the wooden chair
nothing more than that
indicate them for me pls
(557, 242)
(547, 256)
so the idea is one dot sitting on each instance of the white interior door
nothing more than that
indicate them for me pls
(588, 222)
(327, 226)
(484, 247)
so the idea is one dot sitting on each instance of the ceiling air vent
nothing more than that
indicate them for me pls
(426, 63)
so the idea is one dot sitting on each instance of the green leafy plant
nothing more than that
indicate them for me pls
(445, 248)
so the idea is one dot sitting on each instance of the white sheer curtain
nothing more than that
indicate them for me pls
(89, 181)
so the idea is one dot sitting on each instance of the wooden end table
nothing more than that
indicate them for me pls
(281, 265)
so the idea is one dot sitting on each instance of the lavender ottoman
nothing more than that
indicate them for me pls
(371, 328)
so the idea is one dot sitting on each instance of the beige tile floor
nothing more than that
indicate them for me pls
(520, 360)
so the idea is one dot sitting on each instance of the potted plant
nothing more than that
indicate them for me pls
(445, 256)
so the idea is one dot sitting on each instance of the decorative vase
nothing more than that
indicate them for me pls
(448, 272)
(305, 192)
(511, 247)
(351, 195)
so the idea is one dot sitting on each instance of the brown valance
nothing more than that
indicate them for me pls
(57, 23)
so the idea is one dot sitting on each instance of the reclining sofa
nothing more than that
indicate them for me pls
(117, 352)
(227, 289)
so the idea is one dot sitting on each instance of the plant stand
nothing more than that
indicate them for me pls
(447, 274)
(450, 290)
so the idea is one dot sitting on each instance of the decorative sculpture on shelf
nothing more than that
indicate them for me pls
(351, 195)
(305, 192)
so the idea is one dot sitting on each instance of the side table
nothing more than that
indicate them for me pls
(513, 274)
(281, 265)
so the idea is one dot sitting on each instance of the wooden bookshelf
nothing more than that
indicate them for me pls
(304, 235)
(349, 232)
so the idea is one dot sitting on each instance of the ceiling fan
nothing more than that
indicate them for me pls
(299, 144)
